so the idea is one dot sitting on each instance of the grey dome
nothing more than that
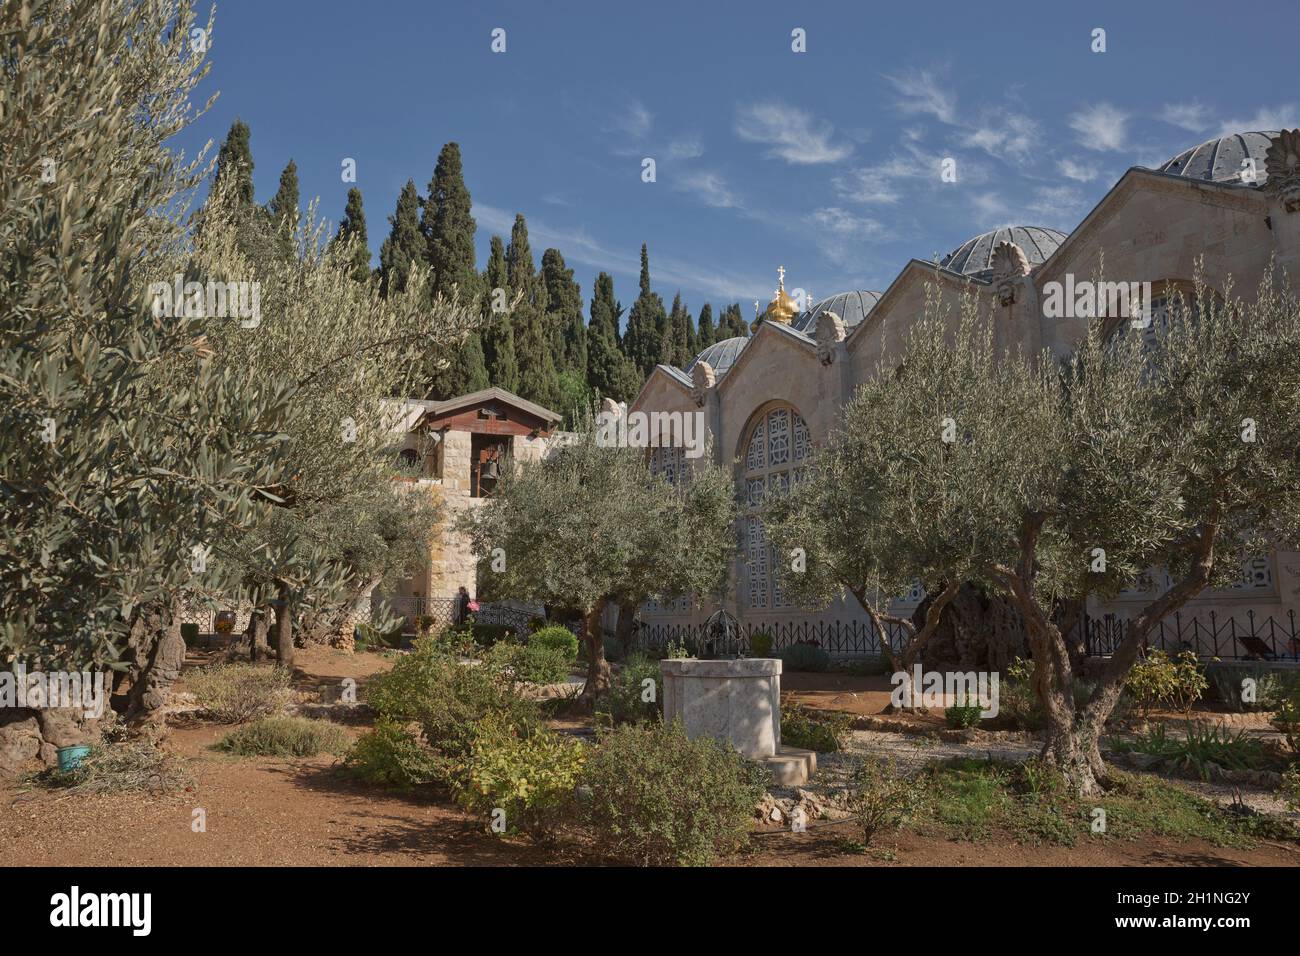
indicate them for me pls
(720, 355)
(974, 257)
(1219, 160)
(852, 307)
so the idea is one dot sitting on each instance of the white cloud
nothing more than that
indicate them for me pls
(1192, 115)
(1080, 172)
(1282, 116)
(710, 187)
(1101, 127)
(845, 224)
(1006, 134)
(635, 120)
(922, 92)
(991, 210)
(1058, 207)
(793, 135)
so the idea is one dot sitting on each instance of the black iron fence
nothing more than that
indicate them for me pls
(1231, 637)
(847, 638)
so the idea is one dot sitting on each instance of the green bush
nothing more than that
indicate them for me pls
(1290, 789)
(760, 644)
(822, 731)
(285, 737)
(556, 638)
(448, 699)
(1204, 747)
(531, 777)
(1270, 686)
(1159, 680)
(234, 693)
(625, 703)
(613, 648)
(1287, 722)
(656, 798)
(963, 714)
(190, 634)
(868, 667)
(882, 799)
(532, 664)
(391, 755)
(370, 637)
(805, 657)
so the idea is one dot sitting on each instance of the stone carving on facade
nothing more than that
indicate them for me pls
(1010, 265)
(1282, 162)
(702, 379)
(830, 333)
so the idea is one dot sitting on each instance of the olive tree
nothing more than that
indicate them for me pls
(124, 444)
(590, 526)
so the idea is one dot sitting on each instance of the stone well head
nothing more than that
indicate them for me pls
(738, 701)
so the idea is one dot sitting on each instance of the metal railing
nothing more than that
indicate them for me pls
(1229, 638)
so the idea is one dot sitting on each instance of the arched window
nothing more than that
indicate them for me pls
(776, 456)
(669, 461)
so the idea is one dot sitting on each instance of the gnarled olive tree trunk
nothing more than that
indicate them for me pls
(158, 652)
(597, 667)
(283, 625)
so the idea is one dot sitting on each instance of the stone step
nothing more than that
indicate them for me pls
(791, 766)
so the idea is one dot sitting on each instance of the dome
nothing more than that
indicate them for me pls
(974, 257)
(720, 355)
(852, 307)
(1219, 160)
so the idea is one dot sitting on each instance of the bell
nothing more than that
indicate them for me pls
(490, 470)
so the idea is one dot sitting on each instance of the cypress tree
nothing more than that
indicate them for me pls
(284, 205)
(732, 323)
(354, 224)
(564, 314)
(533, 346)
(646, 322)
(707, 335)
(448, 228)
(609, 372)
(235, 159)
(498, 331)
(404, 244)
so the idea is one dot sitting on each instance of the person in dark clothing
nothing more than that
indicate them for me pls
(462, 604)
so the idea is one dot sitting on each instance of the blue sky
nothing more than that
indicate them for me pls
(826, 162)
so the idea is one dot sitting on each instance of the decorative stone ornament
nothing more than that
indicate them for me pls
(1010, 265)
(830, 333)
(702, 379)
(1282, 162)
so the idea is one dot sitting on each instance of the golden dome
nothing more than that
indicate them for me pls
(782, 308)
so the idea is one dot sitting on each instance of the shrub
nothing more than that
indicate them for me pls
(868, 666)
(1268, 686)
(1290, 789)
(529, 776)
(447, 698)
(285, 737)
(805, 657)
(882, 799)
(234, 693)
(1158, 679)
(190, 634)
(370, 637)
(1287, 722)
(657, 798)
(529, 663)
(613, 648)
(963, 714)
(823, 731)
(556, 638)
(391, 755)
(1205, 747)
(625, 703)
(760, 644)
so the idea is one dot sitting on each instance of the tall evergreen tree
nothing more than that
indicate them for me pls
(284, 206)
(679, 335)
(564, 314)
(405, 244)
(732, 323)
(707, 334)
(235, 159)
(448, 228)
(643, 339)
(498, 332)
(609, 372)
(533, 346)
(354, 224)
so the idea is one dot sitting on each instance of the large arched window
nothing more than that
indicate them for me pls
(776, 455)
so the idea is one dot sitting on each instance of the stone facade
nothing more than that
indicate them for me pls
(1153, 225)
